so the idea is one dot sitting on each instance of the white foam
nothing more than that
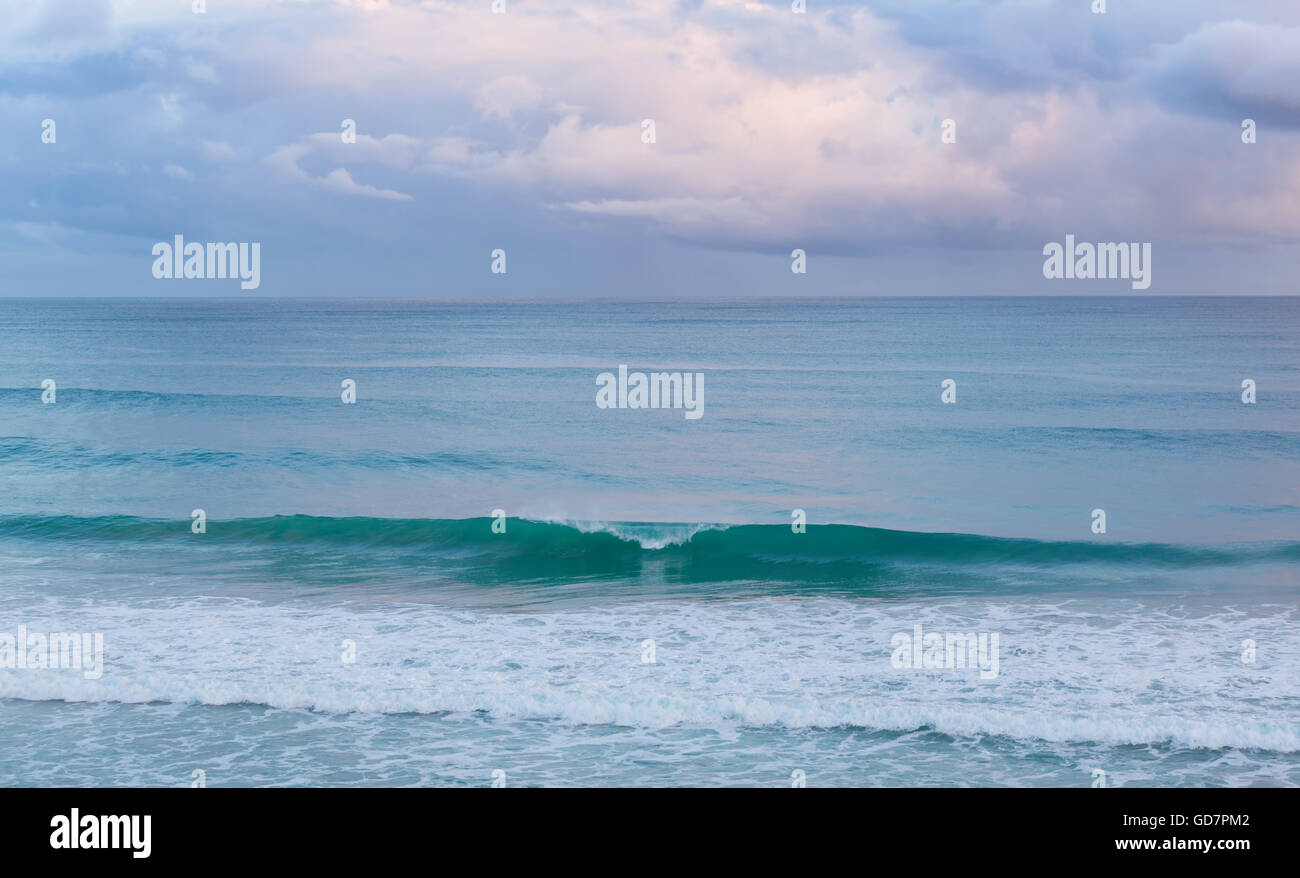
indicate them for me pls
(651, 536)
(1067, 674)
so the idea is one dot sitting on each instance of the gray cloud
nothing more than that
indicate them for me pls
(775, 130)
(1232, 69)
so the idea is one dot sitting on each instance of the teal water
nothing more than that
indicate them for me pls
(526, 651)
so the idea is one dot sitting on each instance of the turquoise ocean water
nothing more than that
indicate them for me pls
(351, 617)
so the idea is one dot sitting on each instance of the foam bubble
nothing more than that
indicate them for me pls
(1068, 672)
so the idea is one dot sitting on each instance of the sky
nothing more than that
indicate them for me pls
(523, 130)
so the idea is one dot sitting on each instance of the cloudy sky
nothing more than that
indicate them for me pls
(773, 131)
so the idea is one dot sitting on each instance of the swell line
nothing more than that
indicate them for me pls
(822, 543)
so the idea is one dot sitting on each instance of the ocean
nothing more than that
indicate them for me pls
(474, 575)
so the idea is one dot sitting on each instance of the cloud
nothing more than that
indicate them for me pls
(339, 180)
(757, 146)
(218, 151)
(773, 130)
(503, 97)
(394, 150)
(1233, 68)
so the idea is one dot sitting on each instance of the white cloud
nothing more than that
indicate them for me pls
(504, 96)
(770, 126)
(764, 153)
(218, 151)
(393, 150)
(339, 180)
